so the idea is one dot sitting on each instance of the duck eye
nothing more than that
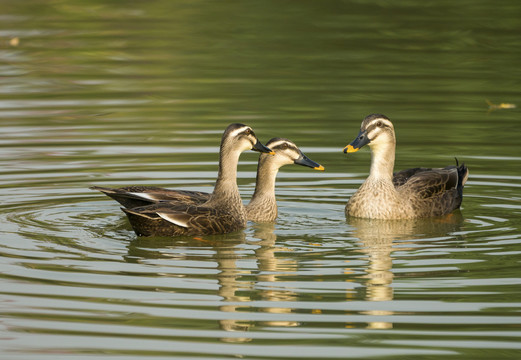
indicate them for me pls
(379, 124)
(247, 131)
(284, 146)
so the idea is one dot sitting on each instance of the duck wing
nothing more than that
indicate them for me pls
(431, 182)
(401, 177)
(432, 192)
(136, 196)
(165, 219)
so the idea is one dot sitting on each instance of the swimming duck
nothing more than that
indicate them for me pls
(222, 213)
(262, 206)
(411, 193)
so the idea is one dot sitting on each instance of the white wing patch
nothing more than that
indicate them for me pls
(177, 219)
(145, 196)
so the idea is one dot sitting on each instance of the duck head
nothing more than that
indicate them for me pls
(242, 138)
(376, 129)
(286, 152)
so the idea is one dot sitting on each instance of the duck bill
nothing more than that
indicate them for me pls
(305, 161)
(357, 143)
(262, 148)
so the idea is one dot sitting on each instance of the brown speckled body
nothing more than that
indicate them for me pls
(376, 200)
(204, 219)
(408, 194)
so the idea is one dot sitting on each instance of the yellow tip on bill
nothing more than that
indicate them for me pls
(350, 149)
(321, 168)
(272, 152)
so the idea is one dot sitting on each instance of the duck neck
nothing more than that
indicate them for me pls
(265, 183)
(226, 188)
(382, 162)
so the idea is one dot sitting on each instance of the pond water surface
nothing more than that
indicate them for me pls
(120, 93)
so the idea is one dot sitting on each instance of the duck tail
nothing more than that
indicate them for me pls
(463, 175)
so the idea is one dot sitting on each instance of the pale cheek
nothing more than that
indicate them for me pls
(283, 161)
(380, 142)
(247, 146)
(375, 145)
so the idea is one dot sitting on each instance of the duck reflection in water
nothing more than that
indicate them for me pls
(218, 249)
(379, 238)
(231, 279)
(270, 267)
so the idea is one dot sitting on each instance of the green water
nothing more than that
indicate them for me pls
(120, 93)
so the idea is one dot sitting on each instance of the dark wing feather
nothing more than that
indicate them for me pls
(401, 177)
(153, 220)
(433, 182)
(137, 196)
(432, 192)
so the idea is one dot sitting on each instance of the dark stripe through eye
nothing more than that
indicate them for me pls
(373, 126)
(248, 132)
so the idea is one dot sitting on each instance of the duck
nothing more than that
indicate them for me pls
(407, 194)
(262, 206)
(222, 213)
